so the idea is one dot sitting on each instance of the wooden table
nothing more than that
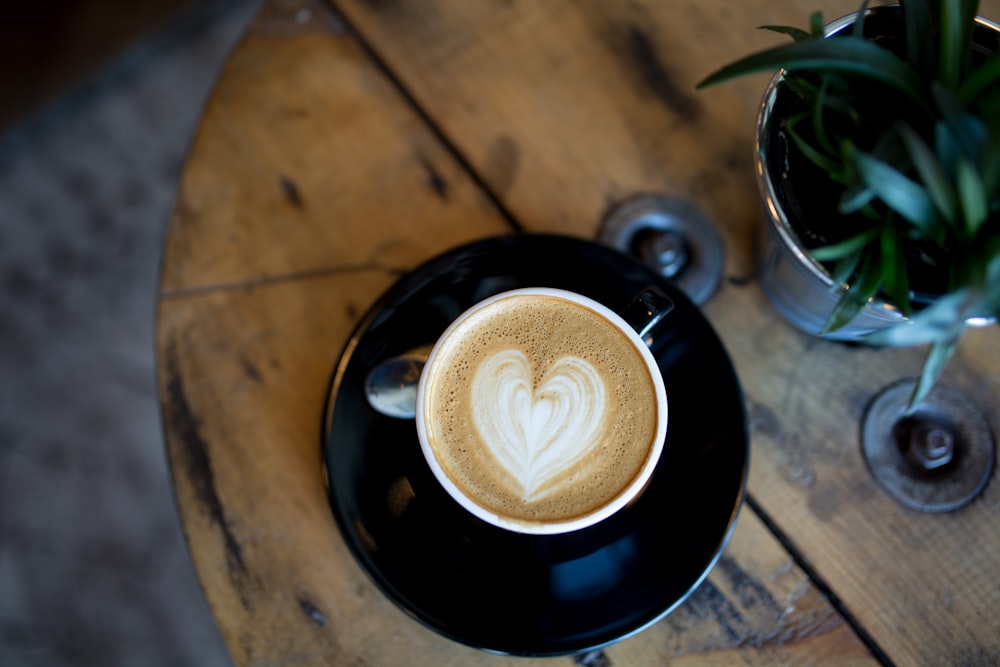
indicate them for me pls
(348, 142)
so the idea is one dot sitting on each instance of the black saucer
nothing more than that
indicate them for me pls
(534, 595)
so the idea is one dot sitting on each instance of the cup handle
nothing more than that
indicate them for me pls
(646, 310)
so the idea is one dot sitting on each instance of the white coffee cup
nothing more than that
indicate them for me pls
(542, 411)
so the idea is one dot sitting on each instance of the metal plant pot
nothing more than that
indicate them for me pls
(798, 286)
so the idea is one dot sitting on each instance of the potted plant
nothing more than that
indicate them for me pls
(878, 156)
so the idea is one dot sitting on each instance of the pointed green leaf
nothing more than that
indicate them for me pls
(818, 124)
(970, 9)
(950, 52)
(895, 277)
(846, 247)
(863, 288)
(991, 163)
(797, 34)
(964, 133)
(844, 54)
(817, 24)
(845, 268)
(972, 194)
(804, 88)
(900, 193)
(986, 75)
(946, 147)
(855, 197)
(814, 155)
(989, 305)
(931, 173)
(937, 358)
(858, 27)
(936, 322)
(918, 24)
(846, 310)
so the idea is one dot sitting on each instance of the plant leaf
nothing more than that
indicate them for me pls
(846, 247)
(895, 277)
(817, 24)
(937, 358)
(955, 51)
(858, 27)
(934, 323)
(970, 9)
(901, 194)
(862, 289)
(855, 197)
(989, 304)
(797, 34)
(845, 54)
(931, 173)
(984, 77)
(845, 268)
(991, 162)
(814, 155)
(950, 51)
(972, 194)
(918, 24)
(959, 133)
(818, 126)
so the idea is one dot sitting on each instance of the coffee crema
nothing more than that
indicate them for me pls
(539, 409)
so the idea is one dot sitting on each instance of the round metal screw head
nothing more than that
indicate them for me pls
(665, 249)
(931, 448)
(940, 447)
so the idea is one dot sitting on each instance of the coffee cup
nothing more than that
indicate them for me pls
(542, 411)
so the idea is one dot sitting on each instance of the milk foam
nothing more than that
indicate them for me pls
(538, 434)
(539, 409)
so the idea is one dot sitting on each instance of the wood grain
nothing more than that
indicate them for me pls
(311, 185)
(588, 103)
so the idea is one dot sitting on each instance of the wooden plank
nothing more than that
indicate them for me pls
(566, 107)
(259, 294)
(756, 608)
(303, 152)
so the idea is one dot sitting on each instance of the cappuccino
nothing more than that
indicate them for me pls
(540, 408)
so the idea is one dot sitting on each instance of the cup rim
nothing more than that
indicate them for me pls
(625, 497)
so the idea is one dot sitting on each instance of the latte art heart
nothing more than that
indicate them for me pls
(538, 435)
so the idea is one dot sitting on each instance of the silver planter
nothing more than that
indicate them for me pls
(798, 286)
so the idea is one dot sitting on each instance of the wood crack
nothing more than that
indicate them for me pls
(196, 460)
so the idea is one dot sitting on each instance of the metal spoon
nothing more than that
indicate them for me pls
(391, 387)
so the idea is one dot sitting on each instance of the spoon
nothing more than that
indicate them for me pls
(391, 387)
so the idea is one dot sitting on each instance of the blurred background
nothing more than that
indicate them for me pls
(99, 100)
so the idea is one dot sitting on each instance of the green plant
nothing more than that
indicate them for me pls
(908, 131)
